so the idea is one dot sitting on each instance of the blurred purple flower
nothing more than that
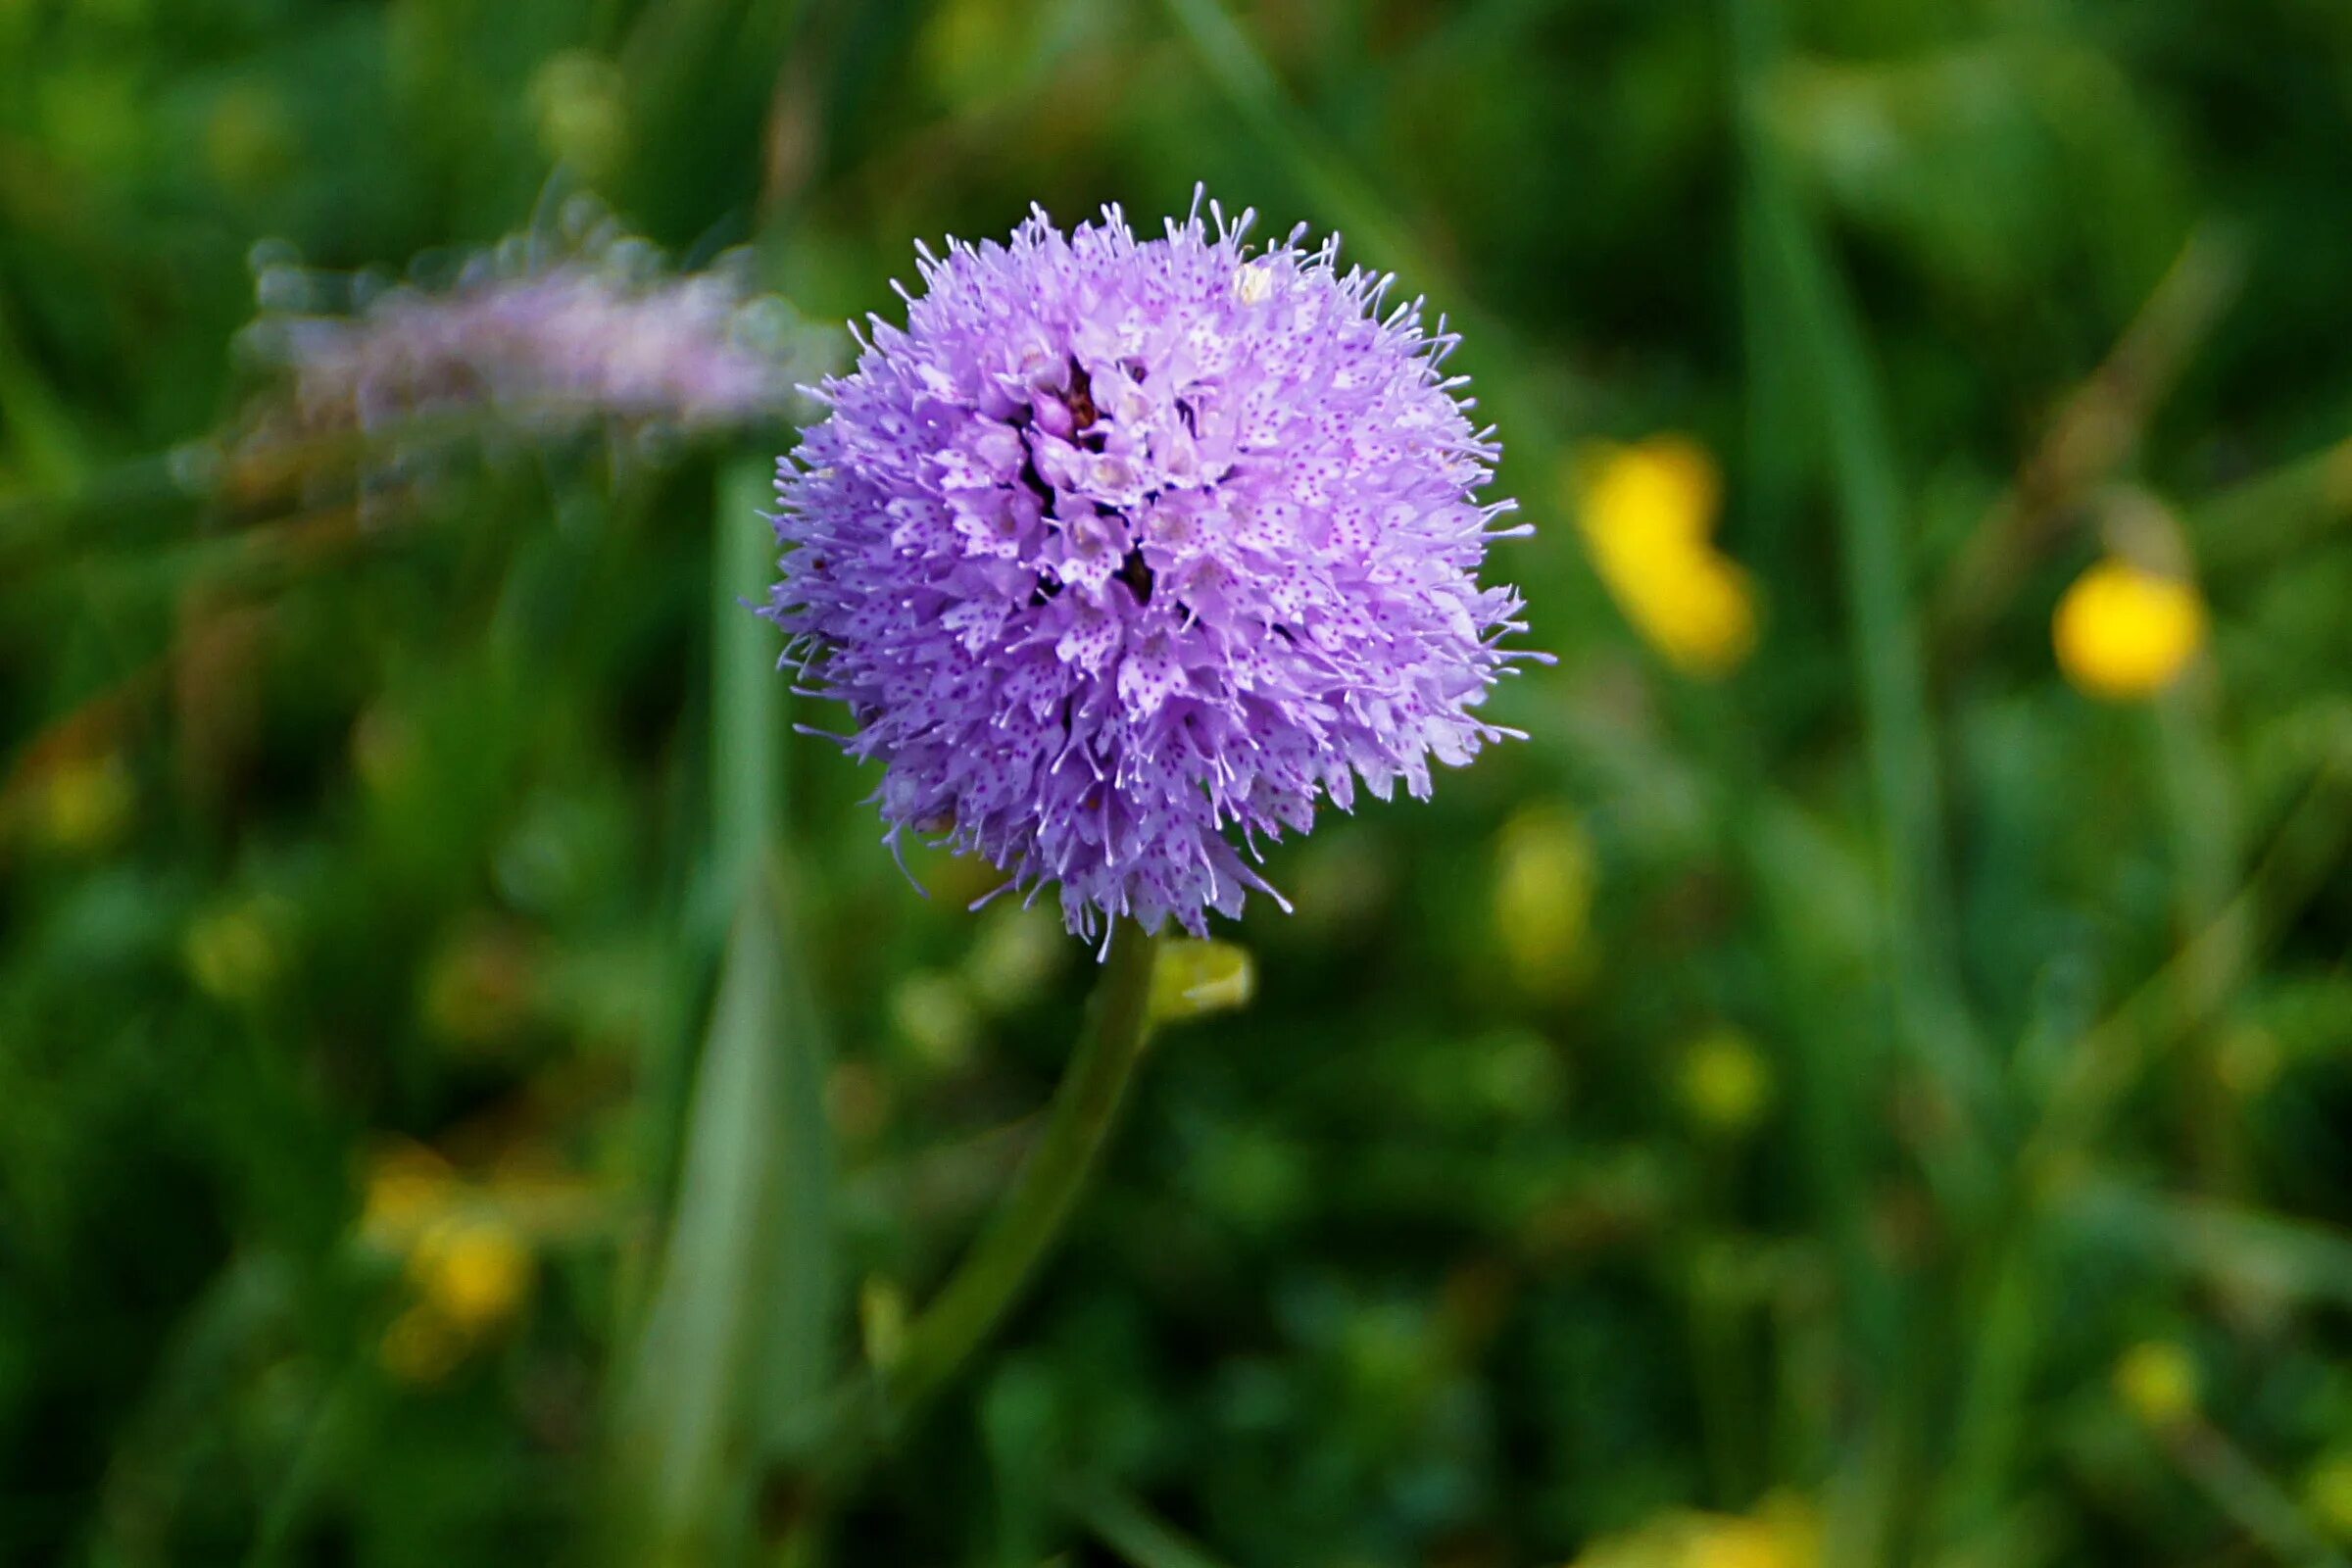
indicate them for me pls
(562, 348)
(1123, 543)
(599, 332)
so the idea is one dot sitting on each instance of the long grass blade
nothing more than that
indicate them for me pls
(736, 1336)
(736, 1330)
(1137, 1535)
(1803, 283)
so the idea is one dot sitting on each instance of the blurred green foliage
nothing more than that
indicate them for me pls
(1881, 1088)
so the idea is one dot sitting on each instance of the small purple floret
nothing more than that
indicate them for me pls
(1121, 544)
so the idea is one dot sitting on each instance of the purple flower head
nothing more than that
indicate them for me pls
(1121, 544)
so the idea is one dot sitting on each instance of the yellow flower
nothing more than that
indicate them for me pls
(471, 1269)
(1761, 1542)
(2157, 1381)
(1666, 485)
(467, 1247)
(1648, 512)
(1782, 1534)
(1542, 909)
(2122, 632)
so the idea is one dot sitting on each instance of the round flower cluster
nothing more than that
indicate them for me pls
(1121, 544)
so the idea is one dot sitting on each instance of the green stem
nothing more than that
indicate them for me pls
(1129, 1529)
(838, 1436)
(2237, 1487)
(1078, 1126)
(823, 1448)
(2302, 857)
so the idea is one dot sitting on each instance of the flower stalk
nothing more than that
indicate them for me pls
(824, 1450)
(1078, 1125)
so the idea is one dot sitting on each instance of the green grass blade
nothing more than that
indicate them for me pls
(39, 438)
(2276, 514)
(746, 695)
(747, 729)
(2226, 1244)
(2257, 1505)
(1130, 1529)
(1241, 74)
(1796, 278)
(736, 1332)
(736, 1336)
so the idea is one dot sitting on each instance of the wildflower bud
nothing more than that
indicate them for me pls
(477, 991)
(1194, 977)
(857, 1102)
(249, 143)
(383, 749)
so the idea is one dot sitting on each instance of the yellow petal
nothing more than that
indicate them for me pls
(1692, 605)
(1664, 486)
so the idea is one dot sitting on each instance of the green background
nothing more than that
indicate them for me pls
(319, 831)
